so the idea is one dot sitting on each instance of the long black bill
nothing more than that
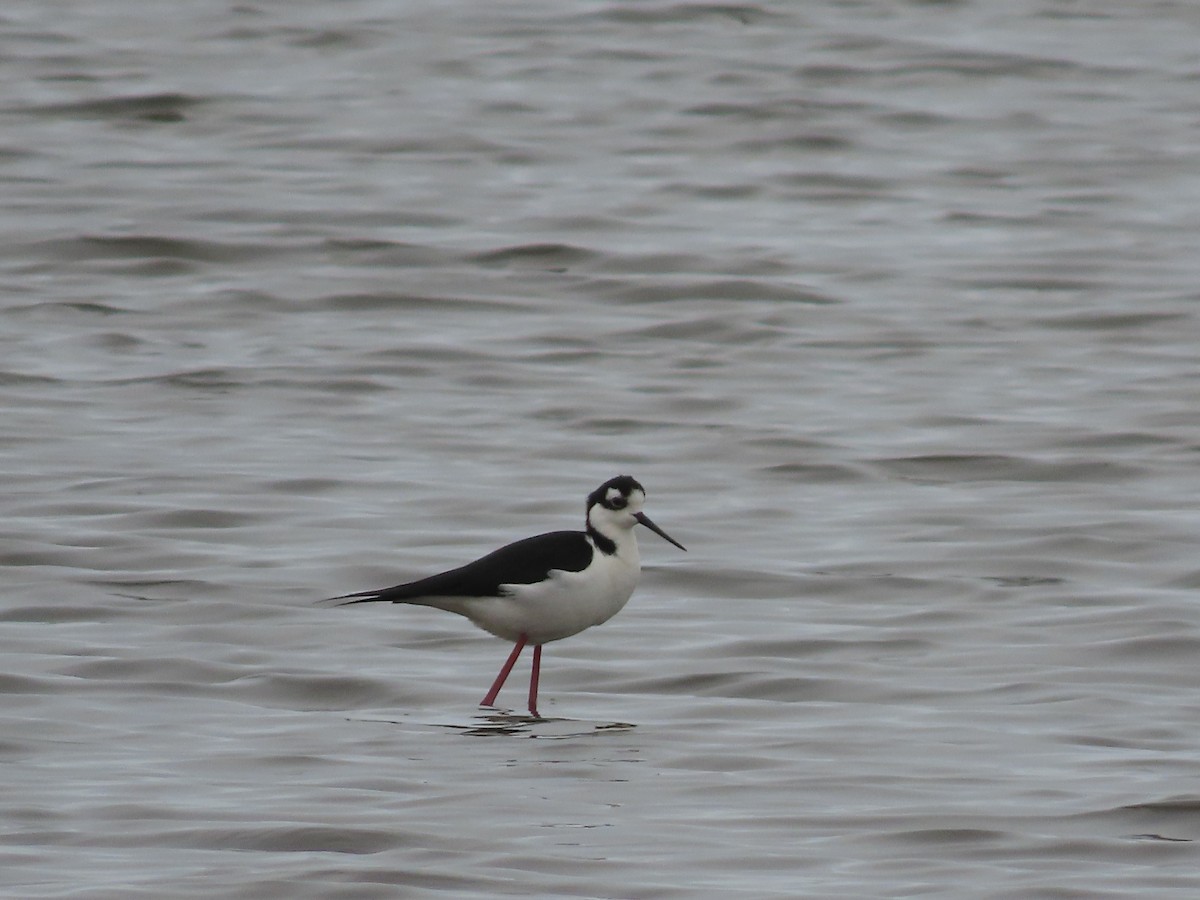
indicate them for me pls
(645, 520)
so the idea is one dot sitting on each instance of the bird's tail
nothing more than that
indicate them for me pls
(360, 597)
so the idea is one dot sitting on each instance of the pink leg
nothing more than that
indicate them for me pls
(533, 680)
(490, 699)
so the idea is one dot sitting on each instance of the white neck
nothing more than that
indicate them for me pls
(612, 524)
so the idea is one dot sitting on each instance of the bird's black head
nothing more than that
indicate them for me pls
(615, 493)
(615, 508)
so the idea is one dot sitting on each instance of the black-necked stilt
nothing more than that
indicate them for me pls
(543, 588)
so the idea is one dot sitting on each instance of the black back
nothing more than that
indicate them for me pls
(523, 562)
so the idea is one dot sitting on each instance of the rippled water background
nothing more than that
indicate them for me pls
(891, 306)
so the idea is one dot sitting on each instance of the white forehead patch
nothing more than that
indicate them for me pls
(612, 494)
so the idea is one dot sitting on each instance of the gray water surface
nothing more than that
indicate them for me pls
(891, 306)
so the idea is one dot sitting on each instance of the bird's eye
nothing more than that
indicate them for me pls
(618, 502)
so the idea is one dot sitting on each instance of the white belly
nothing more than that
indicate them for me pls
(563, 605)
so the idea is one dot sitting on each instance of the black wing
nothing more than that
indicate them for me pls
(522, 562)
